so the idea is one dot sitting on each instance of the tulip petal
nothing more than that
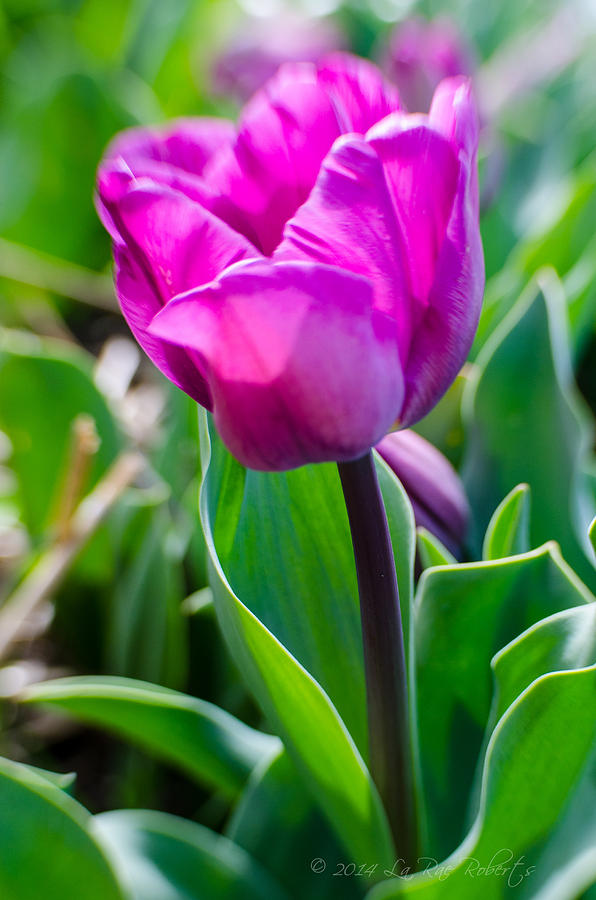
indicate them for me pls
(349, 221)
(361, 94)
(446, 330)
(174, 155)
(168, 244)
(285, 132)
(453, 112)
(421, 171)
(300, 365)
(380, 208)
(444, 337)
(185, 144)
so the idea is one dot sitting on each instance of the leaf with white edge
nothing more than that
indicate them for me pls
(46, 845)
(562, 642)
(206, 742)
(280, 542)
(526, 422)
(431, 551)
(284, 542)
(539, 782)
(566, 863)
(508, 532)
(463, 615)
(62, 780)
(566, 640)
(163, 857)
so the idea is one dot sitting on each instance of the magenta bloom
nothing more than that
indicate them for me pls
(313, 276)
(421, 54)
(432, 484)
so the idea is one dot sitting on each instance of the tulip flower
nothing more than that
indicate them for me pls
(420, 54)
(313, 276)
(432, 484)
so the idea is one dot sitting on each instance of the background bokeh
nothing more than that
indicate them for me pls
(74, 390)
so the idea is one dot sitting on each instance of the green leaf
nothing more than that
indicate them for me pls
(43, 387)
(565, 640)
(508, 532)
(525, 423)
(537, 804)
(163, 857)
(278, 824)
(62, 780)
(431, 550)
(284, 589)
(201, 739)
(46, 844)
(464, 615)
(592, 533)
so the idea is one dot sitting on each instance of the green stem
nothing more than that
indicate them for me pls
(390, 755)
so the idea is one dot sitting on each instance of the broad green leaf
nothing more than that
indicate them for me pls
(402, 530)
(285, 595)
(592, 533)
(464, 615)
(278, 824)
(566, 863)
(162, 857)
(525, 423)
(46, 845)
(538, 785)
(284, 543)
(431, 550)
(43, 388)
(565, 640)
(508, 532)
(207, 743)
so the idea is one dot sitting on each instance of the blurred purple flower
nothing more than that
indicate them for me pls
(311, 276)
(421, 54)
(432, 484)
(253, 56)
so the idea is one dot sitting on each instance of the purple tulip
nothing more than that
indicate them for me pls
(313, 276)
(254, 55)
(421, 54)
(432, 484)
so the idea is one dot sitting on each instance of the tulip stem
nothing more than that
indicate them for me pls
(390, 754)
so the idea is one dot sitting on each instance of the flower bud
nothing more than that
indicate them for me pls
(432, 484)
